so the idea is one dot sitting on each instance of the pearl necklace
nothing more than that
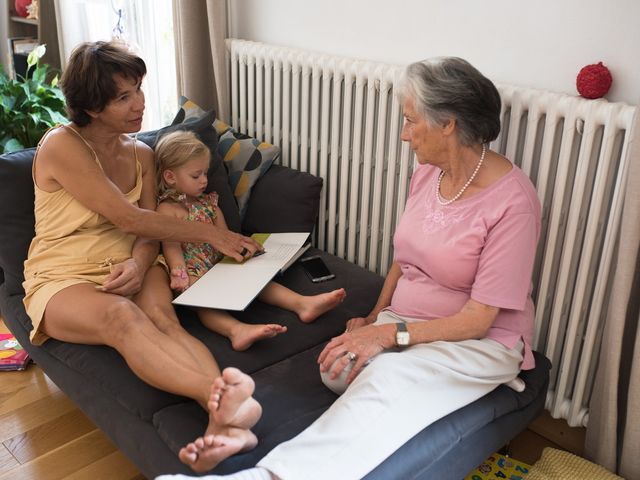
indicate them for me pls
(473, 175)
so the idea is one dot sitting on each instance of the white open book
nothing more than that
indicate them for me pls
(230, 285)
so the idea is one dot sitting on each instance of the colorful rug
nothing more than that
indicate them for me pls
(498, 466)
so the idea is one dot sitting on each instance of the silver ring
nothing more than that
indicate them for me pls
(352, 356)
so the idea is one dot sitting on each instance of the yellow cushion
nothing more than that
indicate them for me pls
(560, 465)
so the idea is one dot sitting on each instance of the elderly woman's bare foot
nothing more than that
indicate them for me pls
(244, 335)
(314, 306)
(231, 403)
(204, 453)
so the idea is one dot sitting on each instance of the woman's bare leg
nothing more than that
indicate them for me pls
(242, 335)
(308, 307)
(155, 300)
(81, 314)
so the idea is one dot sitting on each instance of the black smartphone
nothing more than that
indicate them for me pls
(316, 269)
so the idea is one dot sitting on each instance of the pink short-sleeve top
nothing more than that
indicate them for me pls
(482, 247)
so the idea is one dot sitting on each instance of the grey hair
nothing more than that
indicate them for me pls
(445, 88)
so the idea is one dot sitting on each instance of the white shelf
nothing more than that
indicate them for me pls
(28, 21)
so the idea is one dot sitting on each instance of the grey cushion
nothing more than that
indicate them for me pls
(283, 200)
(16, 216)
(107, 371)
(292, 397)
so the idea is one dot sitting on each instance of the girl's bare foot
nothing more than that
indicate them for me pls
(244, 335)
(204, 453)
(314, 306)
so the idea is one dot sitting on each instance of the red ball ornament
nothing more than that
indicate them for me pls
(594, 81)
(21, 7)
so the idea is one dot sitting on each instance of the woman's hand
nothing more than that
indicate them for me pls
(234, 245)
(125, 278)
(365, 342)
(358, 322)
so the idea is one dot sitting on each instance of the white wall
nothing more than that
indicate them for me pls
(539, 43)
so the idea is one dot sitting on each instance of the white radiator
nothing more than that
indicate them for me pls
(338, 118)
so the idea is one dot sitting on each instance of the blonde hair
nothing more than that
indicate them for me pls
(174, 150)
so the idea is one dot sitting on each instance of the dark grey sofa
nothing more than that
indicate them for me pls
(149, 425)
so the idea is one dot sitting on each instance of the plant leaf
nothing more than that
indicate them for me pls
(28, 107)
(39, 75)
(8, 101)
(12, 145)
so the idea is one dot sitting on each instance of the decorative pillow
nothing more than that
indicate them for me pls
(188, 110)
(283, 200)
(193, 118)
(246, 159)
(16, 217)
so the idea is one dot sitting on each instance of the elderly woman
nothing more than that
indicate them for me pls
(91, 275)
(455, 317)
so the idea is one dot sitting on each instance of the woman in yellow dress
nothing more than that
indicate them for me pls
(91, 276)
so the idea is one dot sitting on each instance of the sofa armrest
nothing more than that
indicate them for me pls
(16, 216)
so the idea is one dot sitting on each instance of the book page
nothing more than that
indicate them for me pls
(230, 285)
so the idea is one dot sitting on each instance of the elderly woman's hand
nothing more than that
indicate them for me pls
(235, 245)
(125, 278)
(358, 322)
(361, 345)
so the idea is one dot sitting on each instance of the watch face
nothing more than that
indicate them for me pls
(402, 338)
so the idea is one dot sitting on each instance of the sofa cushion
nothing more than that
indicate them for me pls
(293, 396)
(362, 289)
(16, 216)
(246, 159)
(283, 200)
(189, 118)
(106, 370)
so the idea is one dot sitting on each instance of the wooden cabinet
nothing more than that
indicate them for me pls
(44, 30)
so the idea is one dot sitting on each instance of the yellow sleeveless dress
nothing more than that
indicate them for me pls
(72, 245)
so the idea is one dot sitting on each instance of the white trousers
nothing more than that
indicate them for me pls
(397, 395)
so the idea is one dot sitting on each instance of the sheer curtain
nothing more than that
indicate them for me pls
(147, 25)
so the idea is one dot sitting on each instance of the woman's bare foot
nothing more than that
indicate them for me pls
(204, 453)
(244, 334)
(314, 306)
(232, 412)
(231, 403)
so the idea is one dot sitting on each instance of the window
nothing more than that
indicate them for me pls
(147, 25)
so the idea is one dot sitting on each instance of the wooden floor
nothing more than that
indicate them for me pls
(43, 436)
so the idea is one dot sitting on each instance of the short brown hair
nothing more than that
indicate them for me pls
(88, 81)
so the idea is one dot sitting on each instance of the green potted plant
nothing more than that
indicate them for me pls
(29, 105)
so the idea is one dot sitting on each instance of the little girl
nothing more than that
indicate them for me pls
(182, 162)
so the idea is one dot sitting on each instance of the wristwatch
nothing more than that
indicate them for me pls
(402, 335)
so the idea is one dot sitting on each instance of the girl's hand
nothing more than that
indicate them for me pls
(365, 342)
(125, 278)
(179, 279)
